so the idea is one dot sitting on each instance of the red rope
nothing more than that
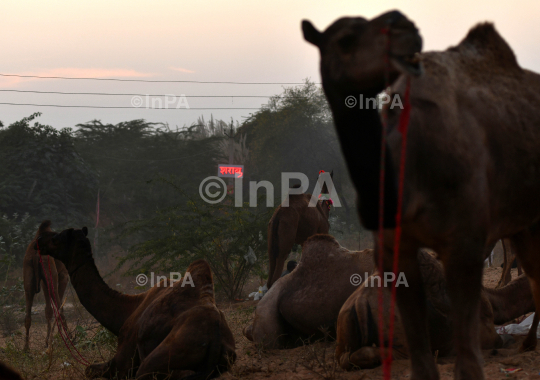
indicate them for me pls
(380, 316)
(386, 356)
(56, 310)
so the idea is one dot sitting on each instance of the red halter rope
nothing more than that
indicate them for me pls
(386, 356)
(56, 310)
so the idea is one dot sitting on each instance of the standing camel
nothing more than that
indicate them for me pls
(474, 125)
(293, 225)
(168, 332)
(34, 279)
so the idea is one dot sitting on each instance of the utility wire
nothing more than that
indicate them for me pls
(133, 107)
(149, 80)
(164, 95)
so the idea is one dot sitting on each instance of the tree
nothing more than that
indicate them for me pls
(43, 175)
(232, 239)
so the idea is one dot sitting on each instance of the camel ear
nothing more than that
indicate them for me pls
(85, 231)
(311, 34)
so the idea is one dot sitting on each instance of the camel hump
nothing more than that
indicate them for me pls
(317, 247)
(201, 275)
(485, 40)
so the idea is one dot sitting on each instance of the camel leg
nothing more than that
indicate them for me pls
(63, 280)
(508, 257)
(181, 354)
(526, 244)
(413, 318)
(279, 247)
(48, 314)
(464, 267)
(29, 293)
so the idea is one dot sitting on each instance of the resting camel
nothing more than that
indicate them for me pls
(167, 332)
(357, 328)
(34, 278)
(308, 299)
(293, 225)
(473, 134)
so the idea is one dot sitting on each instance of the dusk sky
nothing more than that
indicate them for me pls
(232, 40)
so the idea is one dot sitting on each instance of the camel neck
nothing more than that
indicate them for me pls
(511, 301)
(109, 307)
(359, 132)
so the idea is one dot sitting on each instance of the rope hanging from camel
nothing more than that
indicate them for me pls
(56, 310)
(386, 355)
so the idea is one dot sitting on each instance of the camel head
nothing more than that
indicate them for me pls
(355, 51)
(70, 246)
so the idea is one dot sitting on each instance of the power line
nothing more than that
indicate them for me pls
(163, 95)
(112, 107)
(149, 80)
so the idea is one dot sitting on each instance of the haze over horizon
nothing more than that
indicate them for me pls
(232, 40)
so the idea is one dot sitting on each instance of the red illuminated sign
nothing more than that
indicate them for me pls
(230, 171)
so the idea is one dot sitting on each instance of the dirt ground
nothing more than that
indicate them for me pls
(314, 361)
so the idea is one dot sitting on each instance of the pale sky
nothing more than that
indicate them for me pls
(228, 40)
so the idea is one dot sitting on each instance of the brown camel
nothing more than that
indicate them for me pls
(474, 127)
(293, 225)
(357, 331)
(167, 332)
(34, 279)
(308, 299)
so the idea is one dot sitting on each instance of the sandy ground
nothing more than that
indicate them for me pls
(314, 361)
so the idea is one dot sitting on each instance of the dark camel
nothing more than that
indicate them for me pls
(7, 373)
(168, 332)
(357, 331)
(34, 279)
(308, 299)
(474, 133)
(293, 225)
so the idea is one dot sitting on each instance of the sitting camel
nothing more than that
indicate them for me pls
(357, 329)
(472, 161)
(293, 225)
(308, 299)
(167, 332)
(34, 278)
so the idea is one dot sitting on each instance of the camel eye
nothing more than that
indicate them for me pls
(347, 43)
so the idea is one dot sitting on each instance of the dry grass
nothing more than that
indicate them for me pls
(309, 361)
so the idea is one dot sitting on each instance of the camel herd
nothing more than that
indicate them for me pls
(474, 133)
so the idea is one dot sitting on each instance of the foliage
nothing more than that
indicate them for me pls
(222, 234)
(43, 175)
(294, 132)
